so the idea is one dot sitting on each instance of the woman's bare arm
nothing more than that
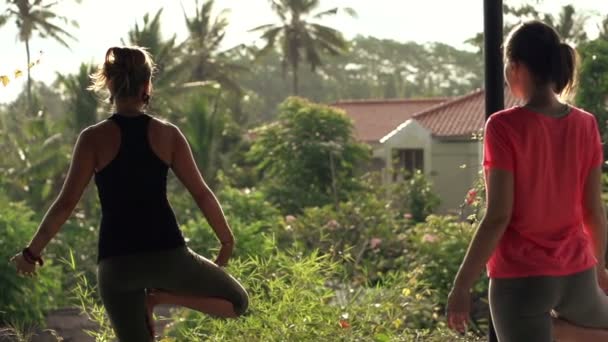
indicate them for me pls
(594, 214)
(186, 170)
(80, 172)
(492, 227)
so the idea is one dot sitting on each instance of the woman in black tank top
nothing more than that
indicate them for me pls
(143, 260)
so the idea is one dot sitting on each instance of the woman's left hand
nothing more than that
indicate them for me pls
(459, 309)
(23, 267)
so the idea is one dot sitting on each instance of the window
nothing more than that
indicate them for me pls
(407, 160)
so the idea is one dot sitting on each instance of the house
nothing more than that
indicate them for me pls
(436, 136)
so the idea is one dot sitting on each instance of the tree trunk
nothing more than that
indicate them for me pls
(29, 78)
(334, 186)
(294, 68)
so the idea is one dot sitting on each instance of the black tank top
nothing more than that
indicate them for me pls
(135, 213)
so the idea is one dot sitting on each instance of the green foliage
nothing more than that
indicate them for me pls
(438, 246)
(85, 295)
(309, 157)
(23, 300)
(290, 301)
(82, 102)
(407, 70)
(253, 220)
(416, 194)
(592, 94)
(361, 233)
(35, 156)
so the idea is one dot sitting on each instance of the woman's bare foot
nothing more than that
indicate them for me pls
(151, 302)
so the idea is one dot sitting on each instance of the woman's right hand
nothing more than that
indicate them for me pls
(224, 254)
(602, 279)
(23, 267)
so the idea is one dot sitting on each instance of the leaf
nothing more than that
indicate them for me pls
(382, 338)
(18, 73)
(4, 79)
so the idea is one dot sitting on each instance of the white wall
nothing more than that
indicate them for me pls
(456, 165)
(408, 135)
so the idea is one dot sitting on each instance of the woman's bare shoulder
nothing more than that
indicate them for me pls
(164, 127)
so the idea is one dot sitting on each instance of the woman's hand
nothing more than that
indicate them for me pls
(459, 309)
(224, 254)
(23, 267)
(602, 279)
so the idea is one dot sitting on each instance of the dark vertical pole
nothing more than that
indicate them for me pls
(494, 79)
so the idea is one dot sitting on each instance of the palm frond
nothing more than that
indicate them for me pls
(262, 27)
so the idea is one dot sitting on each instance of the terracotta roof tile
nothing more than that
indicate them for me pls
(459, 117)
(373, 119)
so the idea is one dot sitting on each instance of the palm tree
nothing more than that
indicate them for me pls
(36, 16)
(300, 37)
(604, 29)
(81, 102)
(170, 68)
(202, 45)
(569, 24)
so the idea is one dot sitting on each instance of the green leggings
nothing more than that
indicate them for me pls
(522, 307)
(123, 279)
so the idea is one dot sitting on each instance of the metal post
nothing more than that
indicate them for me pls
(494, 79)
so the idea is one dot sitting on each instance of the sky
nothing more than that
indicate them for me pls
(102, 23)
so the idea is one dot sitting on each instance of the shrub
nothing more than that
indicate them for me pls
(250, 216)
(439, 246)
(363, 233)
(308, 157)
(23, 300)
(291, 301)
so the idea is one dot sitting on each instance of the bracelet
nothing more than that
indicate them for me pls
(31, 258)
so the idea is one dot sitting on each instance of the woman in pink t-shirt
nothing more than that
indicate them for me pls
(543, 238)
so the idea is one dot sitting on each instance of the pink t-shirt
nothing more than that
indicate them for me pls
(550, 159)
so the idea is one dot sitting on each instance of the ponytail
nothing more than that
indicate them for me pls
(124, 71)
(538, 46)
(564, 71)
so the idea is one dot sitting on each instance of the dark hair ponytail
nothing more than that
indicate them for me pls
(124, 71)
(550, 61)
(564, 81)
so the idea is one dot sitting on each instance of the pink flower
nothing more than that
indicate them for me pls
(471, 196)
(430, 238)
(332, 224)
(375, 242)
(408, 216)
(344, 324)
(290, 218)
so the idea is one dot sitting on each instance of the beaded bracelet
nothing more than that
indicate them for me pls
(31, 258)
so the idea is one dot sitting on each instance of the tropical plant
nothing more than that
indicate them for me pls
(202, 46)
(35, 155)
(170, 73)
(23, 300)
(569, 24)
(593, 81)
(308, 157)
(81, 102)
(299, 37)
(37, 16)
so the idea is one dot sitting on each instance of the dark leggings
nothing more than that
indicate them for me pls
(522, 307)
(122, 282)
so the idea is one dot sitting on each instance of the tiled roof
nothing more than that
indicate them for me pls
(373, 119)
(459, 117)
